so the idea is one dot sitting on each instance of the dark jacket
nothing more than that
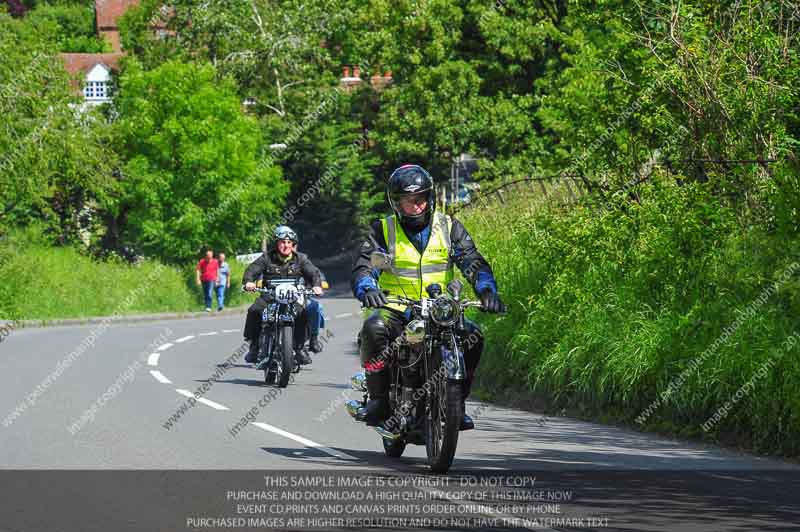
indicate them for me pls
(463, 254)
(268, 266)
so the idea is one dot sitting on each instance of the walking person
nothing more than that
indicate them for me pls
(207, 273)
(223, 281)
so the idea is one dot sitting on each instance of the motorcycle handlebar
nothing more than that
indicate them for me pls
(465, 303)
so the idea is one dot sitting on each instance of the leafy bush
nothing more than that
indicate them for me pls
(616, 307)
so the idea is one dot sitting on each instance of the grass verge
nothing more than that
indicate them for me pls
(670, 314)
(46, 282)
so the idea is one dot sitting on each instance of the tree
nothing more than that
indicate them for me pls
(71, 27)
(333, 185)
(194, 171)
(463, 79)
(55, 158)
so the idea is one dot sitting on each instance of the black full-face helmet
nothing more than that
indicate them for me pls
(410, 180)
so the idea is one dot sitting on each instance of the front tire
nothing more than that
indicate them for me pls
(266, 350)
(286, 354)
(443, 411)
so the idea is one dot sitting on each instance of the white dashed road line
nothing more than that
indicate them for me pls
(153, 361)
(304, 441)
(159, 377)
(212, 404)
(345, 315)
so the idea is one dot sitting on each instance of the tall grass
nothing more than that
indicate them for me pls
(46, 282)
(613, 308)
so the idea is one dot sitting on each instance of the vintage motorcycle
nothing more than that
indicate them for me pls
(427, 373)
(277, 343)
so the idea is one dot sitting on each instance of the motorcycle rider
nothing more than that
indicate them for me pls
(425, 245)
(283, 262)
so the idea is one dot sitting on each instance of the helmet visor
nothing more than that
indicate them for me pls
(413, 204)
(284, 233)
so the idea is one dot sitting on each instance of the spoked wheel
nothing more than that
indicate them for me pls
(393, 448)
(285, 356)
(266, 351)
(443, 413)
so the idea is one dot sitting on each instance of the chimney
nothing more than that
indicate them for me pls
(379, 82)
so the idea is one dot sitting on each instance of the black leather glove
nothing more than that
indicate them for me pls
(374, 298)
(491, 301)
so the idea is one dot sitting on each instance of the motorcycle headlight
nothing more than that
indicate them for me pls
(444, 311)
(415, 332)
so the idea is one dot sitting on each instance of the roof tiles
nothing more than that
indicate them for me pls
(109, 11)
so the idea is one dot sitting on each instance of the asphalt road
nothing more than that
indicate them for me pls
(97, 431)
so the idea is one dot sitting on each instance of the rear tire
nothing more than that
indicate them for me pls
(444, 410)
(286, 354)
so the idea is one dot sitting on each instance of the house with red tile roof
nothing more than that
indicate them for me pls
(93, 72)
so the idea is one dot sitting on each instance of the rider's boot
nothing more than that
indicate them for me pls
(313, 344)
(301, 357)
(252, 354)
(377, 408)
(466, 422)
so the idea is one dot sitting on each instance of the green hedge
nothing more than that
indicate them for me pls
(657, 313)
(46, 282)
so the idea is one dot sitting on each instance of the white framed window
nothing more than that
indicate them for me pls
(96, 90)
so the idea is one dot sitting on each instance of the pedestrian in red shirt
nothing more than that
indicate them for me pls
(208, 276)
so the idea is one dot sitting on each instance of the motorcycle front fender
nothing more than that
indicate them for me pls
(453, 360)
(286, 315)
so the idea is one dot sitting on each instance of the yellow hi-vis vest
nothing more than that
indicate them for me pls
(412, 271)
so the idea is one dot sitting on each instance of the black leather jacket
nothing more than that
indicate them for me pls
(269, 266)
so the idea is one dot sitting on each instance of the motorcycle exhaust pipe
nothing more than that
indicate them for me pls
(358, 382)
(385, 433)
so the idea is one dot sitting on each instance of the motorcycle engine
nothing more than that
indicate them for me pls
(414, 333)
